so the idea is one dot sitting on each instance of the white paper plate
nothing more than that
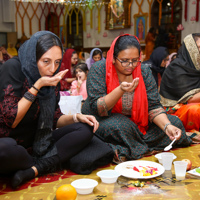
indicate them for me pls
(193, 172)
(126, 169)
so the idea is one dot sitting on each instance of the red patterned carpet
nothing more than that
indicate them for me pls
(5, 186)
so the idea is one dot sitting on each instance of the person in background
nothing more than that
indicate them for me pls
(12, 50)
(123, 96)
(35, 137)
(172, 56)
(143, 56)
(70, 59)
(95, 55)
(79, 85)
(150, 43)
(180, 85)
(161, 38)
(5, 54)
(157, 62)
(81, 57)
(104, 54)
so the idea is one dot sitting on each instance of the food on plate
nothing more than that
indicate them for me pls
(145, 170)
(197, 170)
(189, 165)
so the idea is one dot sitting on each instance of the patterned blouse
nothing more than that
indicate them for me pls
(13, 85)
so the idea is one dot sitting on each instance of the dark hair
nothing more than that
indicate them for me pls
(173, 57)
(152, 30)
(74, 52)
(45, 43)
(126, 42)
(81, 66)
(83, 54)
(97, 52)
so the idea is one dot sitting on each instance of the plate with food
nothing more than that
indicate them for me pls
(195, 171)
(140, 169)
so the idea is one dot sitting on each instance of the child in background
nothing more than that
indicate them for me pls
(79, 86)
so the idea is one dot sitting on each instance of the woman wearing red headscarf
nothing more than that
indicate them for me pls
(123, 96)
(70, 59)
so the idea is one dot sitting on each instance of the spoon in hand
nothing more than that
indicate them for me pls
(167, 148)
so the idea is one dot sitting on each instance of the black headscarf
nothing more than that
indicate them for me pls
(43, 144)
(181, 78)
(156, 58)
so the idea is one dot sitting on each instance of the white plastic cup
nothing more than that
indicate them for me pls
(167, 159)
(180, 169)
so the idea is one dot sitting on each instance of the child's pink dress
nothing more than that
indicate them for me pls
(82, 90)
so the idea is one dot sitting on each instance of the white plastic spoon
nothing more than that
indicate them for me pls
(167, 148)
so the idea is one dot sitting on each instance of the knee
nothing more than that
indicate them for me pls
(87, 130)
(176, 121)
(4, 147)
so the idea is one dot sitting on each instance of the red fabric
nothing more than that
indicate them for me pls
(66, 64)
(140, 104)
(197, 11)
(48, 178)
(186, 6)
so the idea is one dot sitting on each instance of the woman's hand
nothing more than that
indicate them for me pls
(50, 81)
(89, 119)
(129, 87)
(173, 132)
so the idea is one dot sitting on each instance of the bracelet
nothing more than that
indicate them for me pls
(166, 125)
(30, 97)
(35, 88)
(32, 93)
(75, 118)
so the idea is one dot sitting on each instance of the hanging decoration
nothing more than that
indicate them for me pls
(197, 11)
(186, 6)
(99, 6)
(150, 5)
(160, 11)
(172, 10)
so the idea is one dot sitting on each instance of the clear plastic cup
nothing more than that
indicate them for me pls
(167, 159)
(180, 169)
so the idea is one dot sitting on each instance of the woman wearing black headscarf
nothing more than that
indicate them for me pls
(180, 85)
(35, 137)
(158, 61)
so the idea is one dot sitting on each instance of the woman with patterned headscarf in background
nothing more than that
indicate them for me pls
(70, 59)
(180, 85)
(95, 55)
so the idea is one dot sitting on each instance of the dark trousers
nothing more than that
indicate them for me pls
(69, 141)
